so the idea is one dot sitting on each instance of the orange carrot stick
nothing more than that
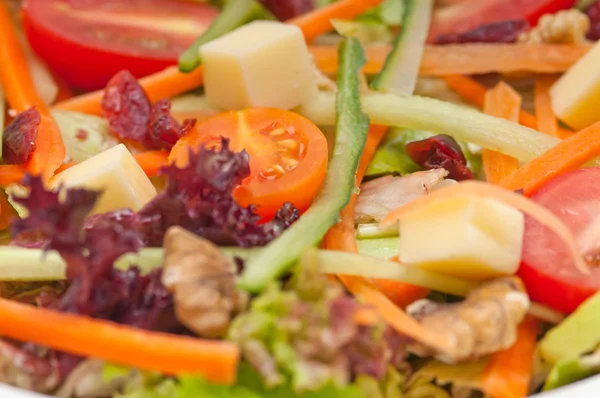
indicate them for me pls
(504, 102)
(469, 59)
(342, 237)
(161, 352)
(317, 22)
(546, 120)
(164, 84)
(150, 161)
(508, 372)
(474, 92)
(567, 155)
(6, 211)
(11, 174)
(21, 94)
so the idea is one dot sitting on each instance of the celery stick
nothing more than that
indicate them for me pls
(374, 231)
(20, 264)
(351, 133)
(2, 110)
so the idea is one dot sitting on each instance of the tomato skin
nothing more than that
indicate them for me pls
(69, 44)
(469, 15)
(253, 130)
(547, 268)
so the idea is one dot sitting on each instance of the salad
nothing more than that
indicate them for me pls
(296, 198)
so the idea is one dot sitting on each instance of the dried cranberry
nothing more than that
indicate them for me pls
(126, 107)
(18, 141)
(440, 152)
(164, 130)
(495, 32)
(286, 9)
(593, 12)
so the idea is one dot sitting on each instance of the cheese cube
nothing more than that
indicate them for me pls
(576, 94)
(116, 173)
(467, 237)
(263, 63)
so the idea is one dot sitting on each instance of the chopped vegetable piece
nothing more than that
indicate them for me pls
(391, 156)
(400, 71)
(574, 336)
(385, 248)
(20, 264)
(7, 212)
(546, 119)
(261, 64)
(480, 189)
(342, 263)
(234, 14)
(443, 118)
(508, 372)
(286, 9)
(570, 370)
(503, 102)
(142, 37)
(567, 155)
(18, 140)
(351, 134)
(440, 152)
(287, 154)
(216, 361)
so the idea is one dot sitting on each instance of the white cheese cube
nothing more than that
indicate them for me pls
(116, 173)
(263, 63)
(467, 237)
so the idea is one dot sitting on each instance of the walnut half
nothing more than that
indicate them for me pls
(203, 283)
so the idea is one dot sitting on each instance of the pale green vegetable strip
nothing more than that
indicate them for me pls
(97, 135)
(21, 264)
(343, 263)
(401, 69)
(374, 231)
(440, 117)
(381, 248)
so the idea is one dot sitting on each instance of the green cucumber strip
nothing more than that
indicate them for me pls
(401, 69)
(2, 110)
(344, 263)
(385, 248)
(374, 231)
(235, 14)
(21, 264)
(350, 136)
(439, 117)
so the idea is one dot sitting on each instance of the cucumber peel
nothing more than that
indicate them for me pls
(400, 71)
(352, 127)
(235, 14)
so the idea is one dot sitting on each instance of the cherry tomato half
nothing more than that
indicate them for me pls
(288, 155)
(87, 41)
(547, 268)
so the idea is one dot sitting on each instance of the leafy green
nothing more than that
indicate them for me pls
(570, 370)
(368, 31)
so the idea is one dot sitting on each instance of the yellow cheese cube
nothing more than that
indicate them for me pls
(474, 238)
(576, 94)
(263, 63)
(116, 173)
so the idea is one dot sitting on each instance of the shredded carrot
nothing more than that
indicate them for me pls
(150, 161)
(567, 155)
(474, 92)
(317, 22)
(164, 84)
(546, 120)
(161, 352)
(503, 102)
(482, 189)
(11, 174)
(508, 373)
(22, 95)
(469, 59)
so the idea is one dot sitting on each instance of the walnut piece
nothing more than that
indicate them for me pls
(485, 322)
(203, 283)
(564, 27)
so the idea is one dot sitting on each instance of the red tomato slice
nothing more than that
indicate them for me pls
(470, 14)
(547, 268)
(288, 155)
(87, 41)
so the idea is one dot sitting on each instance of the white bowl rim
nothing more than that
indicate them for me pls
(583, 389)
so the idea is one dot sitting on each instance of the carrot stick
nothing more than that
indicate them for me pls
(317, 22)
(469, 59)
(150, 161)
(546, 120)
(504, 102)
(21, 94)
(164, 84)
(567, 155)
(11, 174)
(161, 352)
(508, 372)
(474, 92)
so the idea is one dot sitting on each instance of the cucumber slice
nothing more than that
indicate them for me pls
(350, 136)
(401, 69)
